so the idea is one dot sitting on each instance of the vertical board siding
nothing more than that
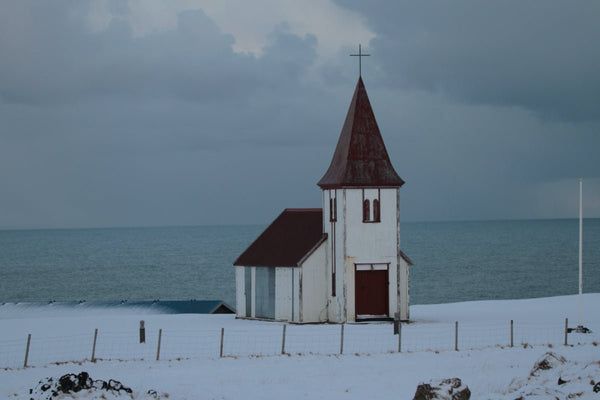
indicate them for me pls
(265, 292)
(283, 293)
(247, 291)
(314, 286)
(241, 302)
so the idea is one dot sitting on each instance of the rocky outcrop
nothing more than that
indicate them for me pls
(548, 361)
(446, 389)
(554, 377)
(50, 388)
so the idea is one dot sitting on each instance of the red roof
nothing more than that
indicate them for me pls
(294, 234)
(360, 158)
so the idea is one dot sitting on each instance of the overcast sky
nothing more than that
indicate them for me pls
(144, 113)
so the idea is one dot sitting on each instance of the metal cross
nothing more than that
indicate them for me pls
(360, 55)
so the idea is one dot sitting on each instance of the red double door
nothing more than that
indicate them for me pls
(371, 291)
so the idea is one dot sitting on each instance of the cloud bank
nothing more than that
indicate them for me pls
(168, 113)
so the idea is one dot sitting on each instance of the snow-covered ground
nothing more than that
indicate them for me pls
(253, 367)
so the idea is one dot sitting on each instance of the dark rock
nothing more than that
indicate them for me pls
(546, 362)
(561, 381)
(446, 389)
(118, 386)
(48, 388)
(74, 383)
(596, 388)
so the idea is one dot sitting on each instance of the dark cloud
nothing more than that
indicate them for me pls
(539, 55)
(105, 128)
(63, 61)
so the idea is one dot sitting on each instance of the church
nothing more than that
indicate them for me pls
(342, 262)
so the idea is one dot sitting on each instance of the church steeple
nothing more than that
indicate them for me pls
(360, 158)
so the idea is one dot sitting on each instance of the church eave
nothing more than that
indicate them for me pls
(359, 185)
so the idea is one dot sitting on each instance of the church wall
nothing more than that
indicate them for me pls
(335, 245)
(393, 289)
(404, 292)
(314, 286)
(265, 292)
(286, 293)
(240, 294)
(283, 293)
(371, 242)
(253, 291)
(352, 241)
(377, 239)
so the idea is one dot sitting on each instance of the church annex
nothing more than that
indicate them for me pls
(341, 263)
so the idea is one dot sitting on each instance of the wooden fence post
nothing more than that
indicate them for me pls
(94, 345)
(27, 350)
(158, 347)
(512, 343)
(283, 341)
(396, 322)
(222, 336)
(342, 340)
(566, 330)
(399, 338)
(455, 335)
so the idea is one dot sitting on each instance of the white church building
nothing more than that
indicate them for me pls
(341, 263)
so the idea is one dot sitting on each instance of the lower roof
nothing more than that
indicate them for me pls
(294, 234)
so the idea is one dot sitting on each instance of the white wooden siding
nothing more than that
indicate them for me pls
(359, 242)
(404, 290)
(240, 294)
(283, 293)
(314, 286)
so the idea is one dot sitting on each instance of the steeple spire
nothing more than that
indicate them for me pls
(360, 158)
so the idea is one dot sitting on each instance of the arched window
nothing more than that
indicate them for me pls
(376, 211)
(366, 210)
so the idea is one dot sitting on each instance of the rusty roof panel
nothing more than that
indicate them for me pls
(360, 158)
(293, 234)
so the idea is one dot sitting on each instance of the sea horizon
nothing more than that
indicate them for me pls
(47, 228)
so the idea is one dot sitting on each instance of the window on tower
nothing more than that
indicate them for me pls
(366, 210)
(371, 203)
(376, 211)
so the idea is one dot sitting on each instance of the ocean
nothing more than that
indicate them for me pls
(453, 261)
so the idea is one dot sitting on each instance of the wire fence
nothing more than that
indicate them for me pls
(276, 339)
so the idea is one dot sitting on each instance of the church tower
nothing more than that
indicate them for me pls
(367, 274)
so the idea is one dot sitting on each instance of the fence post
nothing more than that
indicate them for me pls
(399, 338)
(94, 345)
(283, 341)
(222, 335)
(27, 350)
(158, 347)
(455, 335)
(342, 340)
(566, 329)
(512, 343)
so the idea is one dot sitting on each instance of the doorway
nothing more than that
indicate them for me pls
(371, 291)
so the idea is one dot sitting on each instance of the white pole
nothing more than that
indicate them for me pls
(580, 251)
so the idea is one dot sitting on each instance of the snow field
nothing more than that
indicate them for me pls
(190, 367)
